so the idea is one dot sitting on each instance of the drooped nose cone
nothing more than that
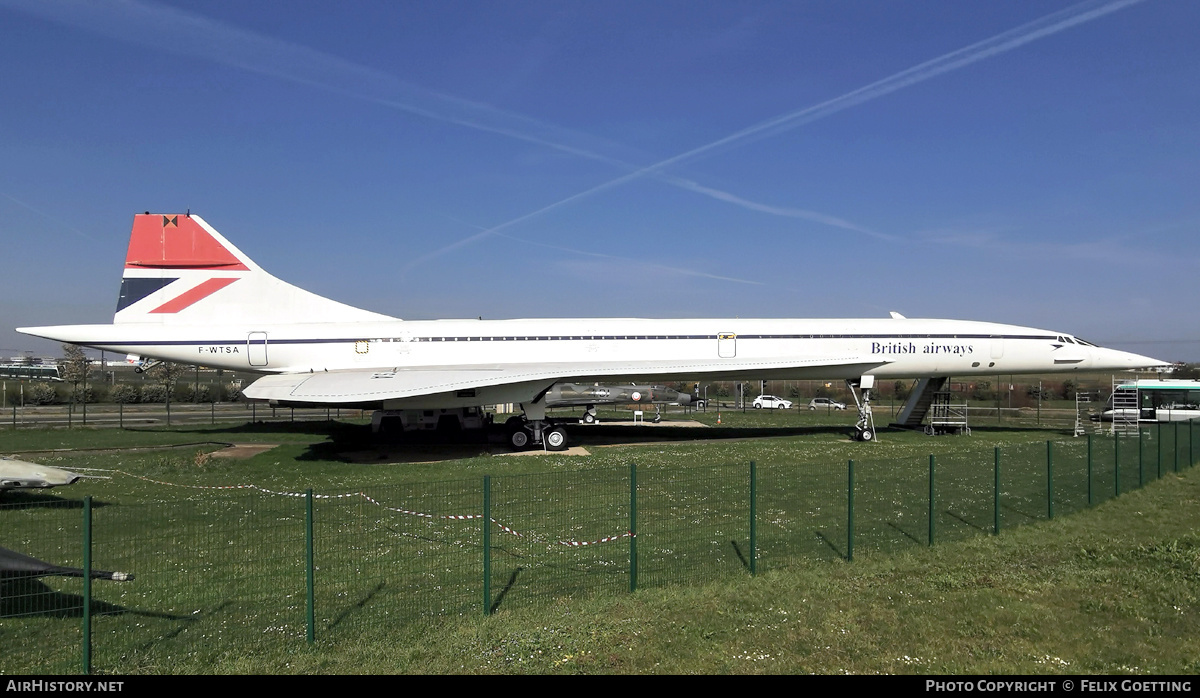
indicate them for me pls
(1116, 360)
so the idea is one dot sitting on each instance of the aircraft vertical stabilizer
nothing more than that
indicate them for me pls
(180, 271)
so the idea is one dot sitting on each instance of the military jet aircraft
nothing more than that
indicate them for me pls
(19, 474)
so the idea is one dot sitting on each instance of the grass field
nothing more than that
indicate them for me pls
(221, 583)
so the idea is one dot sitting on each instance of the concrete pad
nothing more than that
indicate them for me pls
(572, 451)
(243, 450)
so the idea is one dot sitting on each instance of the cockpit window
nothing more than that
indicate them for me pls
(1086, 344)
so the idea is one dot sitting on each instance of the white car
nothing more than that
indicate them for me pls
(826, 403)
(771, 402)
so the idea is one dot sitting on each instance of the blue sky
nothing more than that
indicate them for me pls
(1034, 163)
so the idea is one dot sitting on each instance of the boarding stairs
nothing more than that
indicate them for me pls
(912, 415)
(1084, 400)
(1125, 409)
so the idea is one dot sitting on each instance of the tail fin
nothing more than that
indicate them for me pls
(178, 270)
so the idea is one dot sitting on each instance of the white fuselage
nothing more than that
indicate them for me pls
(904, 348)
(189, 295)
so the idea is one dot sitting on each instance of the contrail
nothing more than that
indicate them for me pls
(180, 32)
(1006, 41)
(48, 217)
(654, 265)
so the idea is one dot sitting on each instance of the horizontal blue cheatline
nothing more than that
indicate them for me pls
(567, 338)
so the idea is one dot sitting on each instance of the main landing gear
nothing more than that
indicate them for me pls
(524, 434)
(864, 429)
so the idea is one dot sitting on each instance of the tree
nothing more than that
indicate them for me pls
(73, 368)
(165, 374)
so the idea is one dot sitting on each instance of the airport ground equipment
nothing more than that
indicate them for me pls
(947, 417)
(1084, 399)
(912, 415)
(1126, 409)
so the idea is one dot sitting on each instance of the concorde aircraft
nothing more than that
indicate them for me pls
(189, 295)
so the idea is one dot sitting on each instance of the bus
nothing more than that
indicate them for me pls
(1154, 400)
(46, 372)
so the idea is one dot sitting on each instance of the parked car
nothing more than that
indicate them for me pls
(826, 403)
(771, 402)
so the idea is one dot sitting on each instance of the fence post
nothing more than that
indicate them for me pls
(850, 513)
(1158, 438)
(1175, 446)
(308, 565)
(931, 498)
(1049, 480)
(996, 496)
(1141, 468)
(1116, 463)
(633, 555)
(753, 517)
(121, 415)
(1091, 499)
(87, 584)
(487, 545)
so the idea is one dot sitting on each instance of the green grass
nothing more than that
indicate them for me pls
(221, 580)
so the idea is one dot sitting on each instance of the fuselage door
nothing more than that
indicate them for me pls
(726, 345)
(256, 348)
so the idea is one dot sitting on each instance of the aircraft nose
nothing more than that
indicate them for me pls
(685, 398)
(1117, 360)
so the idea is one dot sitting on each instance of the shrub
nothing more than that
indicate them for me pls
(188, 393)
(41, 394)
(154, 392)
(124, 394)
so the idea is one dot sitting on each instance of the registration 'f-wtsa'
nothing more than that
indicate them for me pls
(188, 295)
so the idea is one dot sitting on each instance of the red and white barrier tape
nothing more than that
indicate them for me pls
(447, 517)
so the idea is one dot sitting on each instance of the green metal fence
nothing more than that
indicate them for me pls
(221, 573)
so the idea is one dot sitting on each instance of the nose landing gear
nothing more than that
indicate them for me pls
(864, 429)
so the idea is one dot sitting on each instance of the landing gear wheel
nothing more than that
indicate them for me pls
(556, 439)
(866, 435)
(589, 418)
(518, 439)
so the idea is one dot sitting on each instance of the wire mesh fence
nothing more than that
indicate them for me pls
(223, 573)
